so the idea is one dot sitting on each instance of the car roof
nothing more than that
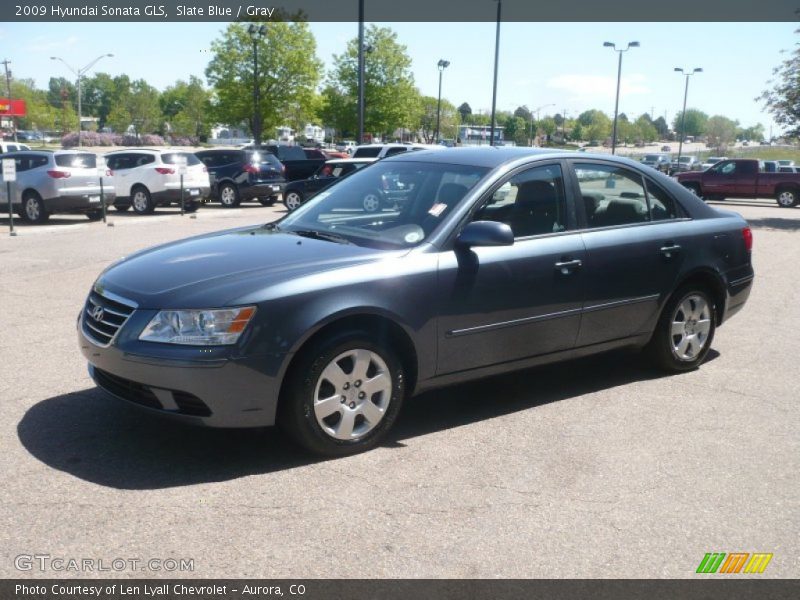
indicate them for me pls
(480, 156)
(350, 161)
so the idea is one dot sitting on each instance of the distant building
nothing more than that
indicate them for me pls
(478, 135)
(285, 135)
(314, 133)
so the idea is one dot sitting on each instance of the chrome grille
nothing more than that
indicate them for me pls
(104, 315)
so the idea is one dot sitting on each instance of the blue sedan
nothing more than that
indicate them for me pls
(497, 259)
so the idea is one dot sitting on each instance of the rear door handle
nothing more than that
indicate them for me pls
(566, 267)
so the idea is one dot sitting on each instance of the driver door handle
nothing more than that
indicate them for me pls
(568, 266)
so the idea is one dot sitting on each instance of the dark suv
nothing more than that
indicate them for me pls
(238, 175)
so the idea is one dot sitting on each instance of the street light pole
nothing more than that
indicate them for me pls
(496, 57)
(619, 79)
(255, 32)
(7, 62)
(683, 114)
(360, 139)
(442, 64)
(79, 73)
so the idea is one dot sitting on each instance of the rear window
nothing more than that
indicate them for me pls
(83, 160)
(171, 159)
(651, 157)
(264, 158)
(366, 152)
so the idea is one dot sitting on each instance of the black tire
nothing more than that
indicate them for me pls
(94, 215)
(191, 206)
(692, 306)
(293, 200)
(786, 197)
(228, 195)
(267, 201)
(122, 207)
(32, 209)
(141, 201)
(372, 201)
(297, 414)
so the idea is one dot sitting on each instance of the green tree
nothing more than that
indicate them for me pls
(288, 74)
(695, 122)
(524, 113)
(138, 107)
(58, 88)
(645, 130)
(186, 107)
(595, 125)
(753, 133)
(99, 95)
(390, 98)
(782, 100)
(41, 115)
(661, 127)
(721, 131)
(465, 111)
(449, 119)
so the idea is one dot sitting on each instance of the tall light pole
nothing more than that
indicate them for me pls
(619, 79)
(256, 32)
(361, 49)
(442, 65)
(496, 57)
(79, 73)
(688, 74)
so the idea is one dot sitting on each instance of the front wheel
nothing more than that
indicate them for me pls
(191, 206)
(270, 201)
(343, 395)
(685, 330)
(787, 198)
(292, 200)
(121, 207)
(94, 215)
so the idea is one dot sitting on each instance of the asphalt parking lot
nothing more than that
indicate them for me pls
(594, 468)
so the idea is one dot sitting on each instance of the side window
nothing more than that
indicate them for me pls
(662, 205)
(38, 161)
(395, 150)
(611, 195)
(143, 159)
(531, 202)
(22, 163)
(209, 160)
(725, 168)
(118, 162)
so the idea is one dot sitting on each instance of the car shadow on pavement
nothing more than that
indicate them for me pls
(105, 441)
(775, 223)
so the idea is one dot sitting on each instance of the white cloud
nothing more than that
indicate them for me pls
(584, 88)
(43, 43)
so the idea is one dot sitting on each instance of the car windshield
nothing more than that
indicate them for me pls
(390, 205)
(686, 159)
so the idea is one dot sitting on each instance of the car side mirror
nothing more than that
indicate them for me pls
(485, 233)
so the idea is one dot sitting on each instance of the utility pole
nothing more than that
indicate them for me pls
(7, 62)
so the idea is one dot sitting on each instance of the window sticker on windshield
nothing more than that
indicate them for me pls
(437, 209)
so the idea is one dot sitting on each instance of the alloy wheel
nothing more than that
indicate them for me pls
(691, 325)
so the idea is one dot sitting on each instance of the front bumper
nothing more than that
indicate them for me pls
(220, 391)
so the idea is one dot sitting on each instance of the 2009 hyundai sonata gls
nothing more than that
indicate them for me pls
(481, 260)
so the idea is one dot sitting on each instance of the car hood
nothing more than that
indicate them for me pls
(221, 268)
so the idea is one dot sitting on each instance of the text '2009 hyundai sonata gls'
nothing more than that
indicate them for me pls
(484, 260)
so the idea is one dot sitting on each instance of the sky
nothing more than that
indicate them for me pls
(557, 66)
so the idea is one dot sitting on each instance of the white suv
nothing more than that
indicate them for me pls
(384, 150)
(145, 178)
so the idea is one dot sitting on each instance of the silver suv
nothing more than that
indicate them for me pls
(65, 181)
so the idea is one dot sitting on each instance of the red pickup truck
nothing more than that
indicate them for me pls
(743, 178)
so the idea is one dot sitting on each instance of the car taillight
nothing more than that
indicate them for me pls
(55, 174)
(252, 169)
(165, 170)
(109, 173)
(747, 236)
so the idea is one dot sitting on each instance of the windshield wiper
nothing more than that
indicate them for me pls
(321, 235)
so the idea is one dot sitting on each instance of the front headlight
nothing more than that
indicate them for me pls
(211, 327)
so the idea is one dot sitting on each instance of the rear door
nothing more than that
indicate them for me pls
(634, 250)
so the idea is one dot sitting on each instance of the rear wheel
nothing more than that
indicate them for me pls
(33, 210)
(228, 195)
(94, 215)
(343, 395)
(191, 206)
(293, 200)
(141, 201)
(787, 198)
(685, 330)
(121, 207)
